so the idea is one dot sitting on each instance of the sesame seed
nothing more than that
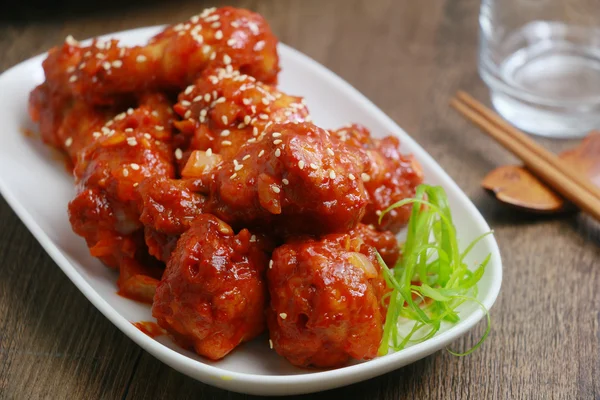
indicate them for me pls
(117, 64)
(261, 153)
(330, 152)
(270, 264)
(70, 69)
(189, 89)
(196, 99)
(100, 56)
(238, 167)
(209, 152)
(255, 131)
(351, 176)
(270, 343)
(252, 140)
(233, 175)
(283, 315)
(68, 142)
(263, 116)
(216, 25)
(277, 153)
(259, 45)
(187, 114)
(247, 119)
(134, 166)
(185, 103)
(106, 65)
(247, 156)
(207, 97)
(147, 136)
(226, 59)
(135, 184)
(203, 112)
(131, 141)
(226, 143)
(285, 181)
(178, 154)
(301, 164)
(246, 101)
(225, 133)
(205, 49)
(276, 134)
(82, 65)
(70, 40)
(159, 128)
(231, 42)
(96, 135)
(72, 79)
(365, 177)
(219, 35)
(155, 113)
(254, 28)
(241, 125)
(314, 166)
(220, 99)
(125, 172)
(129, 111)
(224, 119)
(265, 101)
(332, 174)
(128, 129)
(378, 212)
(141, 58)
(253, 238)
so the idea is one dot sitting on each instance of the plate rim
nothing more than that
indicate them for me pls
(222, 378)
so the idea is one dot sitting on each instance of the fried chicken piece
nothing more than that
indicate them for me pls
(66, 124)
(169, 206)
(106, 209)
(296, 178)
(224, 109)
(389, 177)
(326, 301)
(212, 295)
(384, 242)
(105, 71)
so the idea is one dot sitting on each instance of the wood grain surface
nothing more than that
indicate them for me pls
(409, 57)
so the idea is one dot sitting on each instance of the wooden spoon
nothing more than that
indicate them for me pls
(516, 186)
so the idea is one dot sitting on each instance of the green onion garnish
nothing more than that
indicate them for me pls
(431, 279)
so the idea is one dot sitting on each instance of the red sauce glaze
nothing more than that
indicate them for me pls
(149, 328)
(104, 72)
(169, 206)
(212, 295)
(384, 242)
(390, 176)
(224, 109)
(295, 179)
(325, 301)
(106, 209)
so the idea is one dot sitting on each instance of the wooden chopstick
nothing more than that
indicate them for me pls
(552, 172)
(525, 140)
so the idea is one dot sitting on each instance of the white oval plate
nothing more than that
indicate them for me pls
(38, 189)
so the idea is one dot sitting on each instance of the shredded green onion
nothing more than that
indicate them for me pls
(431, 279)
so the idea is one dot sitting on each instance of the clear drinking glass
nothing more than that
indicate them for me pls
(541, 60)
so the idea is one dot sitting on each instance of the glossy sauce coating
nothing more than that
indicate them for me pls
(296, 178)
(169, 206)
(213, 295)
(104, 71)
(389, 177)
(225, 109)
(325, 301)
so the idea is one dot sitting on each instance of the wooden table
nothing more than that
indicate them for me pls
(407, 56)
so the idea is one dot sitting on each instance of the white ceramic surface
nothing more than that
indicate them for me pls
(38, 189)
